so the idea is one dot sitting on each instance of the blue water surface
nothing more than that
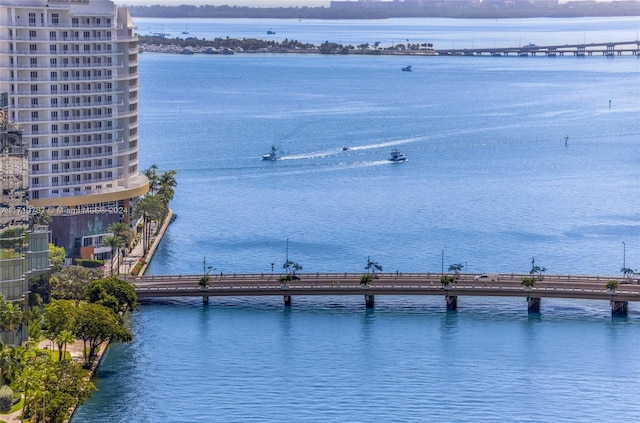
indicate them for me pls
(510, 158)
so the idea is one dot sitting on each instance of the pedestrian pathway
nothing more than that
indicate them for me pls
(128, 262)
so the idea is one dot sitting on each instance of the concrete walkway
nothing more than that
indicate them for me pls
(129, 261)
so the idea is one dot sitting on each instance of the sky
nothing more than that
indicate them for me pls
(250, 3)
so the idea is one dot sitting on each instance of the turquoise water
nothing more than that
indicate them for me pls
(489, 183)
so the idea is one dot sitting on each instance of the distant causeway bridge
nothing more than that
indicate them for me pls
(617, 48)
(343, 284)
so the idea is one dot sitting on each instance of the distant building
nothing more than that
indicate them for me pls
(70, 68)
(24, 247)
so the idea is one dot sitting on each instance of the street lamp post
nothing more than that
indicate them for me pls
(624, 258)
(442, 263)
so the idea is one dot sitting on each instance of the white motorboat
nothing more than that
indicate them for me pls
(397, 157)
(272, 155)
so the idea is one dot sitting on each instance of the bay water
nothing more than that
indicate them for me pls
(510, 159)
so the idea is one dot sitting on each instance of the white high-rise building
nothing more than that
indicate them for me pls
(70, 68)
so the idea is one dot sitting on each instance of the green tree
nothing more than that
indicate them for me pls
(114, 293)
(71, 282)
(59, 319)
(56, 256)
(97, 324)
(71, 386)
(612, 285)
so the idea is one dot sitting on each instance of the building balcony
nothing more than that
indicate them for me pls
(70, 170)
(62, 67)
(48, 93)
(24, 23)
(72, 184)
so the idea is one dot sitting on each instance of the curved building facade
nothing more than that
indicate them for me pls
(70, 68)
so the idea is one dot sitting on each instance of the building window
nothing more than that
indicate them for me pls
(54, 18)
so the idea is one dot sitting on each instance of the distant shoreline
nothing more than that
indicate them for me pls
(230, 46)
(384, 10)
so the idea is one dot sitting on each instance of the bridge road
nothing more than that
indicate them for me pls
(505, 285)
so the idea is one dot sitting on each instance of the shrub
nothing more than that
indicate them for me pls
(528, 282)
(612, 285)
(447, 280)
(88, 263)
(6, 398)
(284, 278)
(136, 269)
(366, 279)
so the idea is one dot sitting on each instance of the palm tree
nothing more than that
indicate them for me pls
(167, 189)
(372, 266)
(114, 242)
(11, 315)
(150, 209)
(64, 338)
(121, 230)
(6, 362)
(536, 269)
(152, 176)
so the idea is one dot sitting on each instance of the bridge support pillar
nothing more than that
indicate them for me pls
(205, 299)
(452, 302)
(287, 300)
(619, 308)
(533, 304)
(369, 300)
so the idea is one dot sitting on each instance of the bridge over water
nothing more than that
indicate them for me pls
(342, 284)
(616, 48)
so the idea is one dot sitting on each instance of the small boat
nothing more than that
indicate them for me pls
(345, 149)
(272, 155)
(397, 157)
(271, 32)
(407, 69)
